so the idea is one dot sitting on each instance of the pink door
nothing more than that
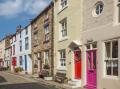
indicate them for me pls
(91, 70)
(77, 58)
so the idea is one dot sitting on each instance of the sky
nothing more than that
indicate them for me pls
(18, 12)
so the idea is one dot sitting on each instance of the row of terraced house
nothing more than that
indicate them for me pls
(76, 42)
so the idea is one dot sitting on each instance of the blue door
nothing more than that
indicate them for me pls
(25, 62)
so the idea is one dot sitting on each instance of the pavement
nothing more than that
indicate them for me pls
(28, 81)
(13, 81)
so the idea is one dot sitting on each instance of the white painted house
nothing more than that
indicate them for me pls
(13, 51)
(23, 49)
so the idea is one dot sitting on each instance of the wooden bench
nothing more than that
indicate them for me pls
(60, 77)
(43, 73)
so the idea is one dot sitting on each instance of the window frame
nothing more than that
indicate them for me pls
(20, 45)
(46, 57)
(62, 59)
(63, 4)
(21, 60)
(111, 59)
(99, 10)
(63, 28)
(47, 33)
(26, 43)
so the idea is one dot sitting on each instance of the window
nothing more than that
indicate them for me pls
(111, 60)
(21, 60)
(119, 11)
(20, 34)
(13, 49)
(46, 57)
(20, 43)
(26, 31)
(63, 29)
(98, 8)
(63, 3)
(62, 58)
(46, 16)
(47, 33)
(36, 35)
(26, 43)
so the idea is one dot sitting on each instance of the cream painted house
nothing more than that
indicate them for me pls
(2, 52)
(101, 44)
(67, 39)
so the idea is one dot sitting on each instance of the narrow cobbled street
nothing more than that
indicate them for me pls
(10, 81)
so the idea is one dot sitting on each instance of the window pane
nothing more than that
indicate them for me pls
(108, 68)
(115, 49)
(94, 45)
(115, 68)
(88, 46)
(108, 51)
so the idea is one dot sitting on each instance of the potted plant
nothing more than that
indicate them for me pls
(35, 66)
(47, 68)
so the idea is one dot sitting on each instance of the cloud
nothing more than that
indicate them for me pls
(11, 8)
(35, 6)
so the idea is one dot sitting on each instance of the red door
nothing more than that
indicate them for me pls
(77, 58)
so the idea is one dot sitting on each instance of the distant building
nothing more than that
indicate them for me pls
(23, 48)
(7, 61)
(42, 41)
(13, 52)
(2, 52)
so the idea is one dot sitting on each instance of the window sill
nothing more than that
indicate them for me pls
(61, 68)
(111, 77)
(63, 9)
(63, 39)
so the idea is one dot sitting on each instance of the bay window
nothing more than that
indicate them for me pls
(111, 60)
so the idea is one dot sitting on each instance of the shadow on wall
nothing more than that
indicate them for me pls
(2, 80)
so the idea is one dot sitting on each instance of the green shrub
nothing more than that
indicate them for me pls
(46, 66)
(18, 69)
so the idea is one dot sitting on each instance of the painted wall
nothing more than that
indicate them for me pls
(74, 20)
(100, 29)
(24, 51)
(2, 51)
(13, 42)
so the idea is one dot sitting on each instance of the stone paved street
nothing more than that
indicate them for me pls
(10, 81)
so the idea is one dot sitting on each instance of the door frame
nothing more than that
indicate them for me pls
(92, 46)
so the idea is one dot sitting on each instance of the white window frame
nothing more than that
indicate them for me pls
(26, 43)
(47, 31)
(63, 28)
(20, 45)
(111, 59)
(118, 4)
(97, 11)
(62, 59)
(21, 60)
(46, 57)
(63, 4)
